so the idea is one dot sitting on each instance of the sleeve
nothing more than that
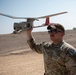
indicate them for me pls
(37, 47)
(72, 61)
(73, 70)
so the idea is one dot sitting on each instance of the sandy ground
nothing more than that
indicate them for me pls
(16, 58)
(22, 63)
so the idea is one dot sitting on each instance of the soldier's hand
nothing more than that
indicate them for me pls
(29, 33)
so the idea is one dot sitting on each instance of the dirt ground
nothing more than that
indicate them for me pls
(22, 63)
(16, 58)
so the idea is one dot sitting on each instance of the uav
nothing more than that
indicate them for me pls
(22, 26)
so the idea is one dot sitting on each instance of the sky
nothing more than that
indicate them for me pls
(37, 8)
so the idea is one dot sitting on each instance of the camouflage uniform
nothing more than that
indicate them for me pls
(58, 59)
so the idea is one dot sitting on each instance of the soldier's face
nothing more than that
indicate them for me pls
(56, 34)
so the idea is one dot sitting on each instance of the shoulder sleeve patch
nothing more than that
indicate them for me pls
(71, 51)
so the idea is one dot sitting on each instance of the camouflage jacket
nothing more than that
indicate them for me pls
(58, 59)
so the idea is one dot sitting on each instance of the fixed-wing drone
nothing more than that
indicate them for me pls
(29, 23)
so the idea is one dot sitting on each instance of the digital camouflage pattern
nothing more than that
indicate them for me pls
(58, 59)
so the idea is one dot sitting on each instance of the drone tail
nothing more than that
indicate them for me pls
(47, 21)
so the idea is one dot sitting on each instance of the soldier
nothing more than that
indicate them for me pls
(59, 56)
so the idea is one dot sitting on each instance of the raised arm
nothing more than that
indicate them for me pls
(37, 47)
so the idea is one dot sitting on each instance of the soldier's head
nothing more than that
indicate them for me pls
(56, 31)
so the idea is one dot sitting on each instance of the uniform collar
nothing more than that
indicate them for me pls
(58, 45)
